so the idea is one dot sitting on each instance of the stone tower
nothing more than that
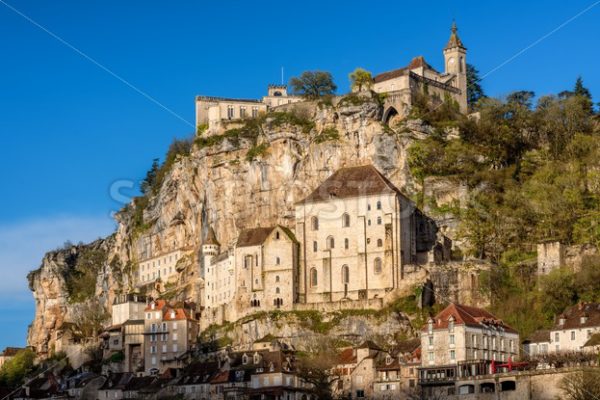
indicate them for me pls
(210, 247)
(455, 61)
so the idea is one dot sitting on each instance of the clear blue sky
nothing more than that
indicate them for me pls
(70, 129)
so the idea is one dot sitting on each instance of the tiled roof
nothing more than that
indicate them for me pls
(541, 336)
(117, 381)
(416, 62)
(582, 315)
(221, 377)
(454, 40)
(137, 383)
(469, 316)
(364, 180)
(347, 356)
(11, 351)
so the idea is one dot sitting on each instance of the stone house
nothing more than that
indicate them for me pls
(575, 327)
(169, 332)
(161, 266)
(357, 231)
(356, 371)
(8, 354)
(537, 344)
(463, 341)
(550, 255)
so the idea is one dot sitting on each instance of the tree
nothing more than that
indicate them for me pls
(88, 320)
(582, 385)
(150, 179)
(317, 368)
(361, 79)
(584, 93)
(313, 84)
(474, 89)
(14, 370)
(522, 98)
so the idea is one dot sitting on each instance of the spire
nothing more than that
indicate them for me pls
(454, 40)
(211, 238)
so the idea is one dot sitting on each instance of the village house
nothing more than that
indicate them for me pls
(8, 354)
(463, 341)
(538, 344)
(357, 231)
(397, 371)
(169, 332)
(575, 327)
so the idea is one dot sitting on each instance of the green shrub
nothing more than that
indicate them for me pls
(328, 134)
(256, 151)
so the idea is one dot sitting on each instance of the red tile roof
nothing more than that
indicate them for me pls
(582, 315)
(467, 315)
(347, 356)
(416, 62)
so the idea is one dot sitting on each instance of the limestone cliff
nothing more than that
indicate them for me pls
(231, 182)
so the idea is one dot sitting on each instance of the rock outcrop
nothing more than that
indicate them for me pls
(219, 185)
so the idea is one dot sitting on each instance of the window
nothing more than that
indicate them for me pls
(254, 112)
(556, 337)
(368, 207)
(314, 223)
(345, 274)
(230, 112)
(430, 356)
(378, 220)
(276, 278)
(451, 339)
(277, 260)
(379, 243)
(313, 277)
(315, 246)
(379, 205)
(360, 393)
(277, 235)
(572, 335)
(175, 347)
(277, 290)
(452, 355)
(242, 112)
(330, 242)
(377, 265)
(430, 340)
(345, 220)
(247, 262)
(346, 243)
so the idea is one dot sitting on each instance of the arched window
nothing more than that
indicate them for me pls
(345, 220)
(277, 260)
(277, 290)
(277, 278)
(330, 242)
(313, 277)
(314, 223)
(378, 220)
(345, 274)
(378, 204)
(277, 235)
(377, 265)
(315, 246)
(379, 243)
(346, 243)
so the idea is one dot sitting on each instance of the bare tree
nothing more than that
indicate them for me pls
(582, 385)
(88, 320)
(317, 367)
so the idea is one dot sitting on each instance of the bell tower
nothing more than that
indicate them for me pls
(210, 247)
(455, 63)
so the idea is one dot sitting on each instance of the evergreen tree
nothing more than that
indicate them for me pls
(474, 89)
(150, 178)
(584, 92)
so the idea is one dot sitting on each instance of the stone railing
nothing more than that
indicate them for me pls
(373, 304)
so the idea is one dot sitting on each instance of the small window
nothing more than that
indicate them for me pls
(379, 205)
(276, 278)
(345, 275)
(277, 260)
(379, 243)
(377, 265)
(315, 246)
(314, 223)
(330, 242)
(313, 277)
(368, 207)
(345, 220)
(346, 243)
(378, 220)
(277, 290)
(277, 235)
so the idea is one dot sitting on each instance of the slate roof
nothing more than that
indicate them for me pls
(573, 315)
(364, 180)
(211, 237)
(117, 381)
(469, 316)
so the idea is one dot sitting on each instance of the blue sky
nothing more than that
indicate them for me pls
(70, 129)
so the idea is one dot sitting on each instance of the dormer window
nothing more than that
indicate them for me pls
(451, 323)
(388, 360)
(152, 305)
(244, 359)
(561, 321)
(256, 358)
(173, 314)
(583, 319)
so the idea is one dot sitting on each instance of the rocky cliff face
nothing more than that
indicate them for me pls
(217, 185)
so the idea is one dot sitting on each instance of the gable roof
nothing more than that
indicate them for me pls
(468, 316)
(573, 315)
(540, 336)
(364, 180)
(257, 236)
(416, 62)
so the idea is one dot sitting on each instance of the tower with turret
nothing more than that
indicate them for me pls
(210, 247)
(455, 63)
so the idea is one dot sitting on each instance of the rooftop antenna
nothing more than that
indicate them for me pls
(281, 75)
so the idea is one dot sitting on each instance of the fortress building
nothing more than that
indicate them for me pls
(403, 84)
